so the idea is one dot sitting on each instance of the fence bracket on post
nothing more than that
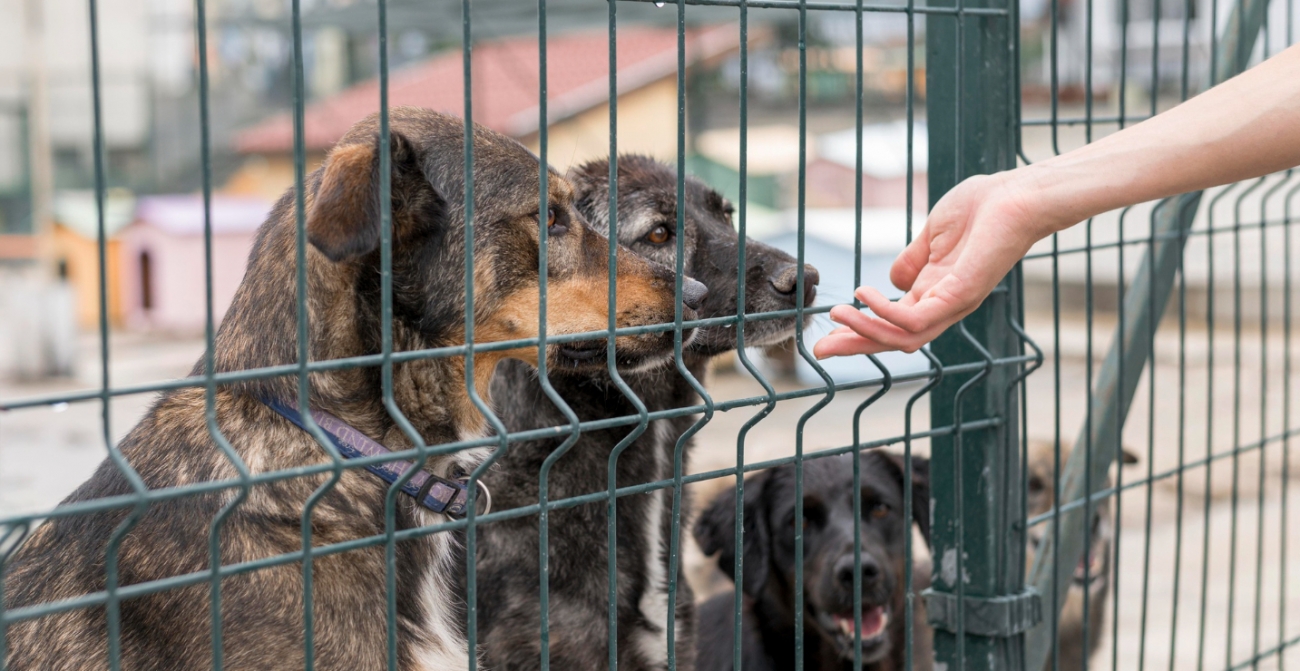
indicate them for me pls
(995, 617)
(1129, 353)
(976, 596)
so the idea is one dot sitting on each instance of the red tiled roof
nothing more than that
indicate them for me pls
(504, 83)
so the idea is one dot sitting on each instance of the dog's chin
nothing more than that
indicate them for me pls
(874, 632)
(716, 340)
(588, 356)
(1091, 572)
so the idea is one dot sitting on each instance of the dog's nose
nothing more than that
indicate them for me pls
(844, 570)
(693, 293)
(786, 280)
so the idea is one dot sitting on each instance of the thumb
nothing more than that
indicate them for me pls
(910, 262)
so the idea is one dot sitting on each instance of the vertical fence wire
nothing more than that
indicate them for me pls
(679, 449)
(111, 562)
(209, 336)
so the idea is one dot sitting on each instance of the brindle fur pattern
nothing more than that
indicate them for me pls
(508, 570)
(768, 612)
(262, 610)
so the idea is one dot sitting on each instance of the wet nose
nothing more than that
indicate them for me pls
(844, 570)
(693, 293)
(786, 280)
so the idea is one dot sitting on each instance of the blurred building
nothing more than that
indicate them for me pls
(1144, 38)
(505, 99)
(772, 165)
(146, 54)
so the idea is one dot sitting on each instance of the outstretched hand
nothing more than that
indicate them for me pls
(974, 235)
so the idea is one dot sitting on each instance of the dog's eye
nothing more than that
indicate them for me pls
(878, 510)
(659, 236)
(555, 224)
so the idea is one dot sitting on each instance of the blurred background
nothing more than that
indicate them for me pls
(149, 304)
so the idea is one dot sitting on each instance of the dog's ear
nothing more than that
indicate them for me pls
(715, 531)
(920, 477)
(920, 494)
(343, 221)
(590, 187)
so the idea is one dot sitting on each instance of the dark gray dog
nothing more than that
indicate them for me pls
(508, 559)
(768, 610)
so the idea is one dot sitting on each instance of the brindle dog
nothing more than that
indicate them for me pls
(508, 566)
(262, 611)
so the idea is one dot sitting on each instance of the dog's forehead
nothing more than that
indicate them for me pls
(823, 476)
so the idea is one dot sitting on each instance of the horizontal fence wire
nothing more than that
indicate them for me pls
(997, 391)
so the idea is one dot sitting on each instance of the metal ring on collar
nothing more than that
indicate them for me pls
(486, 492)
(487, 507)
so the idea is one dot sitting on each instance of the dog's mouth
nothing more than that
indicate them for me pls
(873, 631)
(584, 351)
(586, 355)
(1092, 571)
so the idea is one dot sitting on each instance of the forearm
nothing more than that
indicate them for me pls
(1246, 127)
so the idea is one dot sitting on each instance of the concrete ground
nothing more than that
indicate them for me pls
(47, 451)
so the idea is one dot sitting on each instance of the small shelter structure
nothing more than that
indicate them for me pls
(163, 271)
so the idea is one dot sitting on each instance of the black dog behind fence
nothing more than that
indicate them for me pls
(425, 251)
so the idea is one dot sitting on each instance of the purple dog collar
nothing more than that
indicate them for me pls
(440, 495)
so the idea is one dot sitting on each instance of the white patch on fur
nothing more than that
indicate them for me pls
(653, 641)
(442, 647)
(468, 459)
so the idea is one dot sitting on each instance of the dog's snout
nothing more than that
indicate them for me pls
(844, 570)
(786, 280)
(693, 293)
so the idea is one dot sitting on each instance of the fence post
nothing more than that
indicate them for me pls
(979, 620)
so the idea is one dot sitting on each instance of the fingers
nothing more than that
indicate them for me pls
(910, 262)
(878, 334)
(844, 344)
(909, 314)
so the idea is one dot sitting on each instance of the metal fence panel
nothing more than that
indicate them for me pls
(987, 613)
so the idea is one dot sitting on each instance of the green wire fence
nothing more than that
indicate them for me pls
(991, 385)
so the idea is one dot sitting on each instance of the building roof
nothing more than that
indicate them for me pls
(78, 211)
(505, 83)
(183, 215)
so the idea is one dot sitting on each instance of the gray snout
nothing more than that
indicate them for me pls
(786, 280)
(693, 293)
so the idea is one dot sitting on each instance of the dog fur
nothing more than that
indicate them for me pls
(509, 555)
(1072, 644)
(262, 611)
(768, 612)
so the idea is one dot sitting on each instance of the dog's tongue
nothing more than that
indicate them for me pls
(874, 620)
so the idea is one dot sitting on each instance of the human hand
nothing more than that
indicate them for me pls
(974, 235)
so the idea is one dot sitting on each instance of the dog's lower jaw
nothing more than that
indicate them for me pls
(838, 632)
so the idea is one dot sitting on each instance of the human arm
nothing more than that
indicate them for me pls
(1246, 127)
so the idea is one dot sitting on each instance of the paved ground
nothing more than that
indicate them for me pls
(46, 451)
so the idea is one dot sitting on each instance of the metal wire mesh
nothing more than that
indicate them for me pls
(986, 379)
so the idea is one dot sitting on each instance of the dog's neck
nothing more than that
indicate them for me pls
(260, 330)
